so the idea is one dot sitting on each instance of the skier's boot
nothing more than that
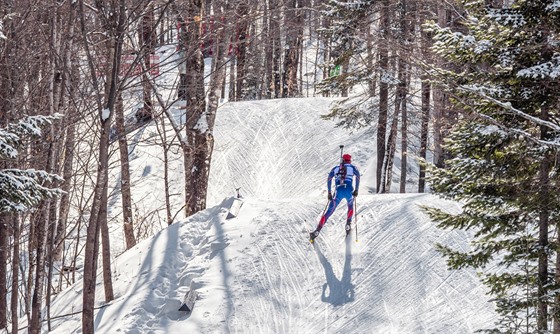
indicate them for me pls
(348, 226)
(313, 235)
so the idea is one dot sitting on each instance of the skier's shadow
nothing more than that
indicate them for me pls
(337, 292)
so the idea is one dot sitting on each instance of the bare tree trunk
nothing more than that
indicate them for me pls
(51, 233)
(4, 245)
(370, 60)
(556, 314)
(326, 24)
(232, 80)
(166, 183)
(106, 248)
(64, 204)
(426, 90)
(115, 26)
(15, 274)
(240, 49)
(31, 249)
(404, 142)
(148, 42)
(408, 25)
(440, 102)
(126, 193)
(392, 140)
(276, 47)
(544, 222)
(294, 25)
(194, 148)
(268, 50)
(425, 43)
(383, 91)
(37, 297)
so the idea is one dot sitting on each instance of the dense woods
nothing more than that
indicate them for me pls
(464, 92)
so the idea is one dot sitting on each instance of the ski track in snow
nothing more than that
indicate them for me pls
(283, 284)
(258, 273)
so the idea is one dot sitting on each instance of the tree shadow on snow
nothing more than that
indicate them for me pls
(337, 292)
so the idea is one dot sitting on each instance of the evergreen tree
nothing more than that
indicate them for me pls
(348, 21)
(21, 189)
(342, 33)
(503, 150)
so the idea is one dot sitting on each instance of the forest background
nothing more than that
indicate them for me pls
(471, 87)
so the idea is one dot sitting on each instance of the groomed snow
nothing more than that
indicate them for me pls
(257, 273)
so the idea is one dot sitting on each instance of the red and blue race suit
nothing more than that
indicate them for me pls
(344, 190)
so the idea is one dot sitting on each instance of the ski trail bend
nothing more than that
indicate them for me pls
(390, 281)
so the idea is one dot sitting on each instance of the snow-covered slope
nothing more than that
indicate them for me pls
(257, 273)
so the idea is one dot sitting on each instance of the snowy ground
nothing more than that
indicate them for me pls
(257, 273)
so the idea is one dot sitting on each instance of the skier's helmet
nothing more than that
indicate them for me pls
(347, 158)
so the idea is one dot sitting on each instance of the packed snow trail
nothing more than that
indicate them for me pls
(258, 273)
(391, 281)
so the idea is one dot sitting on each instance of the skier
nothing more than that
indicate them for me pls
(344, 174)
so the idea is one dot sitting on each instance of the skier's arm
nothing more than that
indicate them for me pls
(329, 180)
(357, 174)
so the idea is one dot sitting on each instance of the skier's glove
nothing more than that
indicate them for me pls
(330, 197)
(355, 193)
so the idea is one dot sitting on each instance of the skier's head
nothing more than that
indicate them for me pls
(347, 158)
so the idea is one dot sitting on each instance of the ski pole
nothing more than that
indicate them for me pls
(356, 216)
(325, 209)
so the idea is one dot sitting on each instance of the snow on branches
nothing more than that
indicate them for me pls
(20, 189)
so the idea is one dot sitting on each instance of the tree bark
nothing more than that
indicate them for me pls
(106, 248)
(15, 274)
(4, 245)
(544, 222)
(125, 187)
(194, 148)
(267, 81)
(38, 287)
(408, 26)
(294, 25)
(276, 47)
(240, 49)
(115, 26)
(383, 91)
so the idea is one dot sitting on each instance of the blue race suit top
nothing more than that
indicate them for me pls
(351, 172)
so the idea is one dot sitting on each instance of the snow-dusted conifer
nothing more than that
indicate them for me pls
(21, 189)
(347, 22)
(503, 152)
